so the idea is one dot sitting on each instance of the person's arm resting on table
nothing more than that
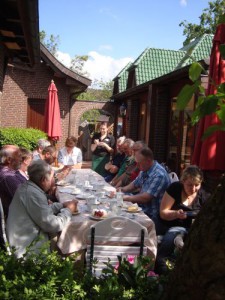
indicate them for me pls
(141, 198)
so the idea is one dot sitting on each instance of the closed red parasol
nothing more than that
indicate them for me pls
(210, 153)
(52, 114)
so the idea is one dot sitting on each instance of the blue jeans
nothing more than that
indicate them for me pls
(166, 248)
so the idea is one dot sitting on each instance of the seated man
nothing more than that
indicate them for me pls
(10, 158)
(41, 144)
(49, 155)
(128, 160)
(31, 219)
(70, 155)
(132, 170)
(112, 167)
(152, 181)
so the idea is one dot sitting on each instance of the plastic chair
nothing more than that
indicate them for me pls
(3, 238)
(112, 237)
(173, 177)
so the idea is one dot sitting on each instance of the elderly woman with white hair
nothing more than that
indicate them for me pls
(41, 145)
(31, 219)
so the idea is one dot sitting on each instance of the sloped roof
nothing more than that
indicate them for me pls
(199, 49)
(153, 63)
(62, 71)
(122, 77)
(19, 30)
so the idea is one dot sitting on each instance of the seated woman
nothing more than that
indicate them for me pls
(70, 155)
(26, 156)
(179, 206)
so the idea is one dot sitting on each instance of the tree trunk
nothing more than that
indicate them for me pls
(199, 273)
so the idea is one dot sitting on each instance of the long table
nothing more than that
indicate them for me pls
(74, 236)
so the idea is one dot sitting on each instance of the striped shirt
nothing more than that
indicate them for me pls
(154, 182)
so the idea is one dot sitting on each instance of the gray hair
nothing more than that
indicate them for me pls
(42, 143)
(39, 170)
(6, 152)
(121, 140)
(129, 142)
(142, 143)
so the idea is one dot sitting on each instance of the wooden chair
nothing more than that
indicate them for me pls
(112, 237)
(3, 238)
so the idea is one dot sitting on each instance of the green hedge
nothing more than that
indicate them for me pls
(48, 276)
(23, 137)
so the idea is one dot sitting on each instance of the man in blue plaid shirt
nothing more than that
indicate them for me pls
(152, 182)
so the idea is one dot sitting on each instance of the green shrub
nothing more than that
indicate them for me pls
(23, 137)
(48, 276)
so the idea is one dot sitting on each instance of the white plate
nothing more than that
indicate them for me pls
(97, 218)
(65, 190)
(76, 192)
(75, 213)
(96, 203)
(82, 196)
(89, 187)
(133, 212)
(62, 183)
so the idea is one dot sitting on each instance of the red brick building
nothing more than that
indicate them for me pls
(19, 35)
(25, 90)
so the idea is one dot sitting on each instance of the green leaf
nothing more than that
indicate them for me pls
(208, 106)
(185, 95)
(211, 129)
(221, 19)
(195, 117)
(200, 100)
(222, 50)
(221, 88)
(221, 113)
(202, 90)
(195, 71)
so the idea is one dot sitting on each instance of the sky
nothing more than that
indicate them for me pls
(115, 32)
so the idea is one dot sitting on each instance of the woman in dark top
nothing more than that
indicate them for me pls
(101, 147)
(179, 206)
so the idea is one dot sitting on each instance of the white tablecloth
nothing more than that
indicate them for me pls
(73, 237)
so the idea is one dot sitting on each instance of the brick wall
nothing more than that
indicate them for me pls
(1, 67)
(22, 84)
(2, 57)
(79, 107)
